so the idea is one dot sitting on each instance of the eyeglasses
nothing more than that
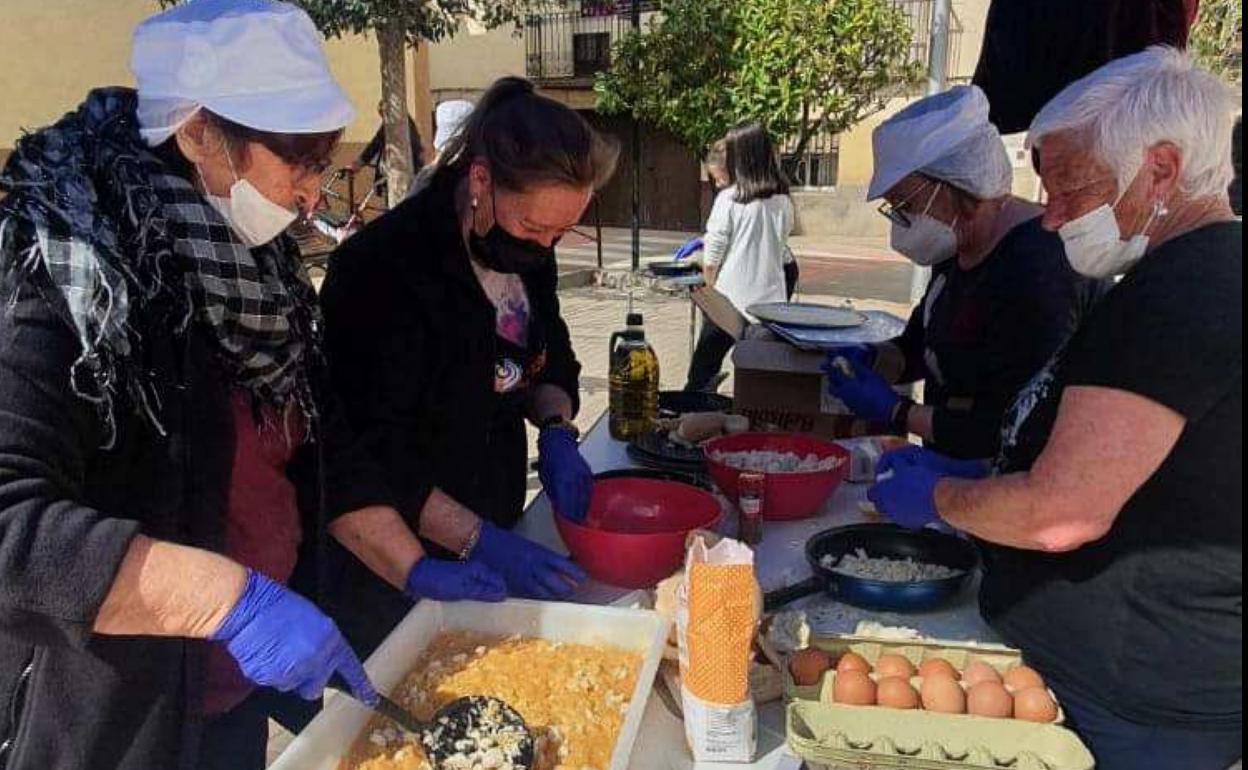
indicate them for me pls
(897, 214)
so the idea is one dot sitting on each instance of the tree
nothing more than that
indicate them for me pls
(398, 24)
(797, 66)
(1217, 39)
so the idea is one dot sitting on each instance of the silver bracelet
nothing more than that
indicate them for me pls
(471, 542)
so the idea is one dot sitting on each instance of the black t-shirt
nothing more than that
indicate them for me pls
(979, 335)
(1148, 620)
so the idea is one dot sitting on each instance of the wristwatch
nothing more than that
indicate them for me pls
(900, 423)
(562, 423)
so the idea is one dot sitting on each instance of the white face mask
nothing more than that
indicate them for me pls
(255, 219)
(1094, 244)
(927, 241)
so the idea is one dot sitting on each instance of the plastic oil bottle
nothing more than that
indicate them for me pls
(634, 382)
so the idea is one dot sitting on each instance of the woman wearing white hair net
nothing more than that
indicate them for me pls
(1113, 521)
(162, 410)
(1001, 298)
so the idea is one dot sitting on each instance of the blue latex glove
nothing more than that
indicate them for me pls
(905, 488)
(861, 352)
(531, 570)
(565, 475)
(863, 391)
(281, 640)
(945, 466)
(687, 248)
(454, 581)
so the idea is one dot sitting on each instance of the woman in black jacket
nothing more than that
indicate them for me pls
(444, 337)
(160, 396)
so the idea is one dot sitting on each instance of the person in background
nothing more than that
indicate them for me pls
(445, 337)
(746, 242)
(374, 153)
(1001, 299)
(1112, 521)
(717, 171)
(162, 407)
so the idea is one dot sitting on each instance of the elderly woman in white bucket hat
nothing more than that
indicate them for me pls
(1001, 298)
(162, 416)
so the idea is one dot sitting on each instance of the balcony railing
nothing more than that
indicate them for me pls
(571, 40)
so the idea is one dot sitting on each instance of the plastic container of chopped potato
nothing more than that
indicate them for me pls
(323, 744)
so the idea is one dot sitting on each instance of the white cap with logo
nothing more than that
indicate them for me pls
(258, 63)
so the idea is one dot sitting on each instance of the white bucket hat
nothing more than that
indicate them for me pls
(946, 136)
(258, 63)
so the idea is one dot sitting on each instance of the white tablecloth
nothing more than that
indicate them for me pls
(780, 561)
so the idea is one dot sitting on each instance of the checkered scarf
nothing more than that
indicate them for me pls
(131, 247)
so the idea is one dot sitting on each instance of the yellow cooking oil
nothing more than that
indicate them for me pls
(633, 382)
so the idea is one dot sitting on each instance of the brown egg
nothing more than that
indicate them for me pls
(894, 665)
(1034, 705)
(937, 667)
(980, 671)
(852, 661)
(895, 692)
(854, 688)
(1022, 678)
(808, 665)
(943, 695)
(990, 699)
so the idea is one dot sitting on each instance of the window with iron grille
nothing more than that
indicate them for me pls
(817, 167)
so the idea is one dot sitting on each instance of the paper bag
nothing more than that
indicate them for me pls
(716, 623)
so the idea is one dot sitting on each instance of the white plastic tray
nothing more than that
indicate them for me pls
(329, 736)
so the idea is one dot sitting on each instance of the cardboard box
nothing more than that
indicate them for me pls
(777, 384)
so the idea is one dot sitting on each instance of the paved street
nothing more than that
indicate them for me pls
(859, 267)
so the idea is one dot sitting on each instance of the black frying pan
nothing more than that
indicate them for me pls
(673, 403)
(655, 473)
(882, 540)
(672, 268)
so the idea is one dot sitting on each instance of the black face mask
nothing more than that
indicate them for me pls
(502, 252)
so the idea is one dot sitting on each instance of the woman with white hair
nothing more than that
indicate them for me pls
(1001, 298)
(161, 396)
(1113, 523)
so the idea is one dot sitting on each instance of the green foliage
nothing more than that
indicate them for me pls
(1217, 39)
(797, 66)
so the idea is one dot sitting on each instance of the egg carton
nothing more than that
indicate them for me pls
(835, 736)
(832, 737)
(959, 654)
(827, 685)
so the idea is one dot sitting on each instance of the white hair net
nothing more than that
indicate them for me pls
(946, 136)
(160, 119)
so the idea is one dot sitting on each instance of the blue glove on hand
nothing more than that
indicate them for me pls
(454, 581)
(945, 466)
(281, 640)
(687, 248)
(531, 570)
(863, 391)
(862, 353)
(905, 488)
(565, 475)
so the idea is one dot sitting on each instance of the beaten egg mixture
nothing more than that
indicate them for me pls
(573, 698)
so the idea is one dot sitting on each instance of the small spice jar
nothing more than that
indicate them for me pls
(750, 490)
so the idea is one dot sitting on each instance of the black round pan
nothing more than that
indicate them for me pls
(882, 540)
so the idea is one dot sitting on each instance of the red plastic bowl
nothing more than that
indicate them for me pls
(787, 496)
(634, 532)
